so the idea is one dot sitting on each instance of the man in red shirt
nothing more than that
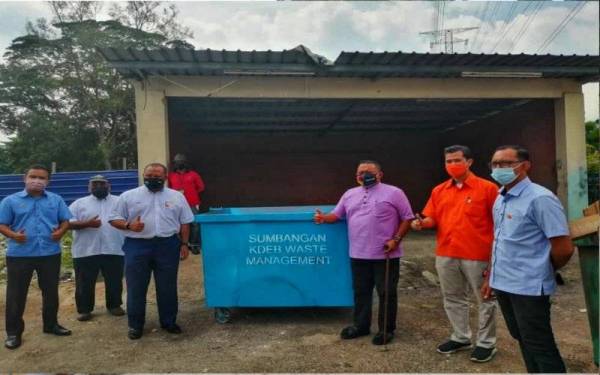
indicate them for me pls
(460, 208)
(190, 184)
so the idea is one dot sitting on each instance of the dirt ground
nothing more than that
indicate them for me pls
(282, 340)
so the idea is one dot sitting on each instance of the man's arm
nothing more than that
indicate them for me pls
(59, 232)
(321, 218)
(82, 224)
(561, 251)
(9, 233)
(392, 243)
(184, 234)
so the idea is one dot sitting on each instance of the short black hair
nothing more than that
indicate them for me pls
(522, 152)
(456, 148)
(375, 163)
(40, 167)
(157, 165)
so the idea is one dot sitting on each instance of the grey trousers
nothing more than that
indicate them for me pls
(459, 278)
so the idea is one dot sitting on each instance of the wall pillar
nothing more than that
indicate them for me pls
(571, 168)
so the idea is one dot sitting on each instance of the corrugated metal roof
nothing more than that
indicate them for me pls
(134, 63)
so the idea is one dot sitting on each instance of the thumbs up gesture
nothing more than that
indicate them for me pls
(94, 222)
(20, 236)
(57, 234)
(319, 218)
(136, 225)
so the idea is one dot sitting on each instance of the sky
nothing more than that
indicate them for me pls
(328, 28)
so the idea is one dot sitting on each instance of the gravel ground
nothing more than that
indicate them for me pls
(283, 340)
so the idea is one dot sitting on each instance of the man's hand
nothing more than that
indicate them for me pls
(319, 218)
(20, 236)
(417, 224)
(390, 245)
(94, 222)
(184, 252)
(136, 225)
(486, 290)
(57, 234)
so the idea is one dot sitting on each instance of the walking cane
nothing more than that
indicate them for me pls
(385, 299)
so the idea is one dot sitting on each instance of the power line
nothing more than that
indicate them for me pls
(481, 16)
(490, 19)
(561, 26)
(507, 26)
(517, 38)
(446, 37)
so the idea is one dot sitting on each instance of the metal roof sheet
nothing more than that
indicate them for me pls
(136, 63)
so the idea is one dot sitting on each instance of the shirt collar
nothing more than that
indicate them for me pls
(470, 181)
(518, 188)
(25, 194)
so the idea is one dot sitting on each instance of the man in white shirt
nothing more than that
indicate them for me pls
(97, 247)
(152, 216)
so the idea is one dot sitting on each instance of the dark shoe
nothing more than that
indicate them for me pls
(12, 342)
(58, 330)
(117, 311)
(195, 249)
(452, 346)
(380, 339)
(134, 334)
(351, 332)
(84, 317)
(174, 329)
(482, 354)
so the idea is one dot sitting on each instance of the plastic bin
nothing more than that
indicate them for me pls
(273, 257)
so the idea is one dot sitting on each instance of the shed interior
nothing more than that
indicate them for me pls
(273, 152)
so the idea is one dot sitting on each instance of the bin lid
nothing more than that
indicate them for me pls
(242, 214)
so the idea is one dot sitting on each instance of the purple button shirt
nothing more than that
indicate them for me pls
(373, 217)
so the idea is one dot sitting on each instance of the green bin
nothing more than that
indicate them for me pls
(588, 261)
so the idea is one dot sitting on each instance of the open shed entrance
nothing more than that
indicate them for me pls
(263, 152)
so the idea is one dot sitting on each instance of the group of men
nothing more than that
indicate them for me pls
(503, 245)
(144, 231)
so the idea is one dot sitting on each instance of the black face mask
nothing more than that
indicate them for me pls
(368, 179)
(154, 184)
(180, 166)
(100, 192)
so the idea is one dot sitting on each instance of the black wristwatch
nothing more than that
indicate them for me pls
(186, 244)
(127, 226)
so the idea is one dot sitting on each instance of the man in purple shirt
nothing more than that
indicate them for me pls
(378, 217)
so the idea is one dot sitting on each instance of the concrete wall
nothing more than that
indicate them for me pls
(530, 125)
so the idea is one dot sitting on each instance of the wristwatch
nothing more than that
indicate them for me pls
(127, 226)
(397, 238)
(186, 244)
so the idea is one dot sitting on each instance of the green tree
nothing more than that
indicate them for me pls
(61, 101)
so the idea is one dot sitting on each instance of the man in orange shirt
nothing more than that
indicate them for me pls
(461, 210)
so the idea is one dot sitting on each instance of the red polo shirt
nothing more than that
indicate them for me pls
(189, 183)
(465, 228)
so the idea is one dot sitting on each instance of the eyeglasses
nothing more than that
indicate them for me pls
(504, 164)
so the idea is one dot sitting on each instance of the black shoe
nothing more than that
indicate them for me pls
(117, 311)
(482, 354)
(195, 249)
(134, 334)
(84, 317)
(58, 330)
(379, 339)
(12, 341)
(452, 346)
(174, 329)
(351, 332)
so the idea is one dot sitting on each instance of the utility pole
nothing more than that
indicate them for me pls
(446, 37)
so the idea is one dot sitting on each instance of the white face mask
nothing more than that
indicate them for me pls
(35, 184)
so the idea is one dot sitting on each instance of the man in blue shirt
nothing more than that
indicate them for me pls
(531, 242)
(34, 220)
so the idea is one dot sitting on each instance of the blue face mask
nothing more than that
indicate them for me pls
(504, 176)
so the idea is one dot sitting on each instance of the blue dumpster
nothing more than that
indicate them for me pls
(273, 257)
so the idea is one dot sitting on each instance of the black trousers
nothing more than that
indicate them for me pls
(528, 321)
(366, 274)
(195, 237)
(19, 274)
(86, 274)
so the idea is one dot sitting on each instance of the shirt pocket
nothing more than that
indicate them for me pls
(476, 208)
(49, 210)
(385, 210)
(514, 222)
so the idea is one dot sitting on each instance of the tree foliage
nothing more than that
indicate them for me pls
(61, 101)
